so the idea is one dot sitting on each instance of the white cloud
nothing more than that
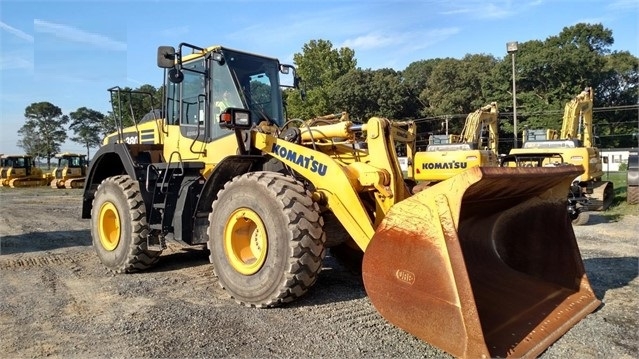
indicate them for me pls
(73, 34)
(623, 4)
(496, 9)
(437, 35)
(178, 32)
(409, 41)
(492, 11)
(368, 42)
(18, 33)
(15, 61)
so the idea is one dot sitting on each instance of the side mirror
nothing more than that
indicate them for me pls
(285, 69)
(166, 57)
(175, 76)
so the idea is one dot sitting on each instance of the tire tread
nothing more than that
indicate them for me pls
(305, 226)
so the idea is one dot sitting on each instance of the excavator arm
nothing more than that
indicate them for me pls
(579, 108)
(476, 122)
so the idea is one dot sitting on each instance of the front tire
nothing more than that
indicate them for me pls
(119, 228)
(266, 239)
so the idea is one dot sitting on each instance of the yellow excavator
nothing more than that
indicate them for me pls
(475, 146)
(450, 264)
(576, 145)
(70, 171)
(21, 171)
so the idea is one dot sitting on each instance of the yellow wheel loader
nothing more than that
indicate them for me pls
(576, 144)
(20, 171)
(268, 196)
(451, 155)
(70, 171)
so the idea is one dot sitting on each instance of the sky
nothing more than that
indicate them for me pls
(69, 52)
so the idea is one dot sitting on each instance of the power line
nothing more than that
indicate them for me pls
(524, 114)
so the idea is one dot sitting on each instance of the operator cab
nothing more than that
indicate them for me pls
(203, 84)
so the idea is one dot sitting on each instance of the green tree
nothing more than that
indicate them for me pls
(43, 131)
(415, 77)
(551, 72)
(367, 93)
(87, 126)
(458, 87)
(319, 65)
(618, 89)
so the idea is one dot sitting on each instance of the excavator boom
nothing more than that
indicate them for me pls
(482, 119)
(577, 121)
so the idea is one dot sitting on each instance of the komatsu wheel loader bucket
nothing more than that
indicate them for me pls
(482, 265)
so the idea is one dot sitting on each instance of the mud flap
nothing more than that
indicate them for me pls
(482, 265)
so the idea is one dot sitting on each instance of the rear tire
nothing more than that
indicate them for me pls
(633, 195)
(266, 239)
(119, 228)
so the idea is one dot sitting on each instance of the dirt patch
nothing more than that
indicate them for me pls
(59, 301)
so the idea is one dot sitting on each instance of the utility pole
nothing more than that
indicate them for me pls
(511, 47)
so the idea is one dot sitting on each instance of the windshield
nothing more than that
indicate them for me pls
(255, 83)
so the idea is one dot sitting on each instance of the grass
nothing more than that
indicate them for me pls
(619, 206)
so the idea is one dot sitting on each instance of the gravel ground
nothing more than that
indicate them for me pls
(57, 300)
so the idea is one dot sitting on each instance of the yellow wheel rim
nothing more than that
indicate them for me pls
(245, 241)
(109, 226)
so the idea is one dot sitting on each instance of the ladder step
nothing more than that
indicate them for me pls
(156, 226)
(155, 247)
(175, 165)
(159, 205)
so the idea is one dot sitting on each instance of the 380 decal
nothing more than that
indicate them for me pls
(131, 140)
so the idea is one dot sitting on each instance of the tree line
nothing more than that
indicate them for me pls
(548, 74)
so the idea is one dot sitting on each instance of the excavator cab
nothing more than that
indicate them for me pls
(448, 155)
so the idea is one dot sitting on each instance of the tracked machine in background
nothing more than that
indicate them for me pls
(448, 156)
(21, 171)
(576, 145)
(268, 196)
(70, 171)
(632, 179)
(576, 203)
